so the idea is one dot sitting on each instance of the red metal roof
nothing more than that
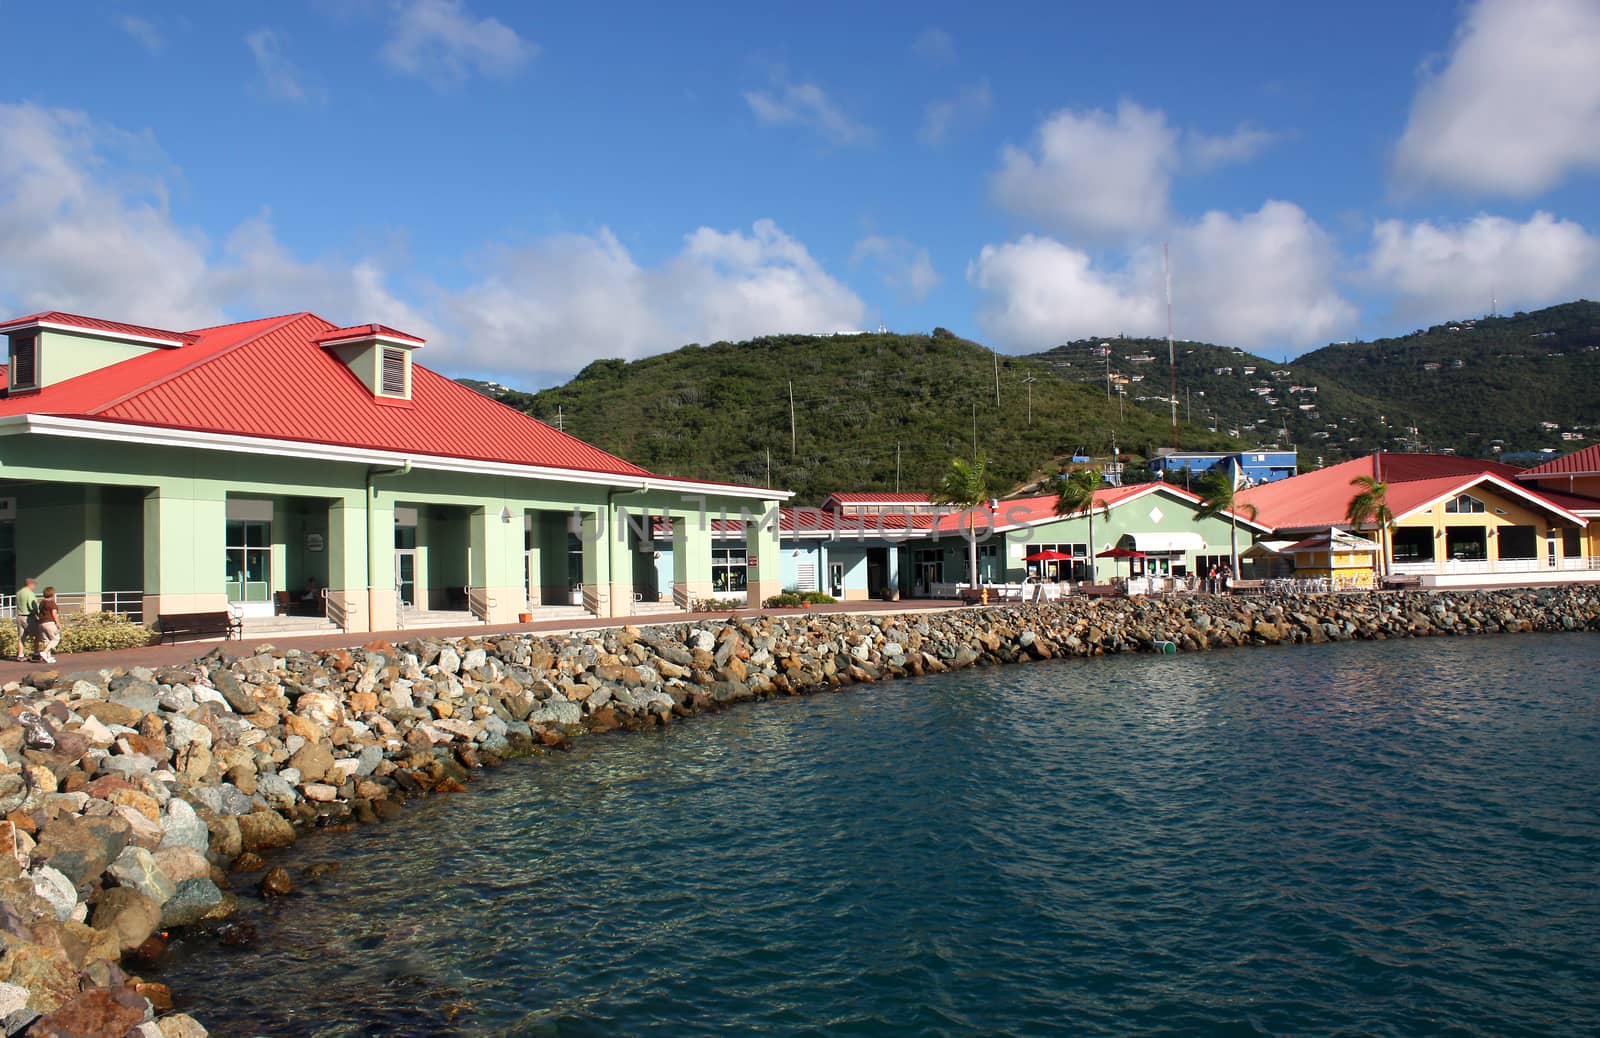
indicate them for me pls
(1322, 498)
(360, 331)
(269, 378)
(95, 324)
(1031, 511)
(1585, 462)
(878, 498)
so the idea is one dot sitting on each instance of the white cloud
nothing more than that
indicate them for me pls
(903, 267)
(1099, 175)
(970, 105)
(144, 31)
(935, 45)
(1442, 271)
(72, 238)
(1204, 152)
(442, 42)
(549, 308)
(279, 75)
(806, 104)
(77, 239)
(1516, 107)
(1263, 280)
(1093, 173)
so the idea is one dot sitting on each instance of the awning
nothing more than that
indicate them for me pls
(1263, 548)
(1168, 543)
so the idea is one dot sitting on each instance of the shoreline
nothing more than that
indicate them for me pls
(132, 795)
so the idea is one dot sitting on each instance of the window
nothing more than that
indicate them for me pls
(24, 361)
(1466, 543)
(1571, 543)
(392, 380)
(1466, 504)
(728, 569)
(1076, 569)
(929, 564)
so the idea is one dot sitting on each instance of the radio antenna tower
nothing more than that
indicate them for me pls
(1172, 353)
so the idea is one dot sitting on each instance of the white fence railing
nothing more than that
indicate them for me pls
(128, 603)
(1451, 567)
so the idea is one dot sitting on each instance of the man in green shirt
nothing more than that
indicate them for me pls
(27, 608)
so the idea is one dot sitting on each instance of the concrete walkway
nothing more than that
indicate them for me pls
(164, 655)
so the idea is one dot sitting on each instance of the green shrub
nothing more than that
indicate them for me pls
(86, 632)
(792, 599)
(717, 605)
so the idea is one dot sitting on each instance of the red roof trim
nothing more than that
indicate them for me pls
(356, 333)
(97, 326)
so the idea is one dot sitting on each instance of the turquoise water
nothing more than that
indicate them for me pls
(1388, 838)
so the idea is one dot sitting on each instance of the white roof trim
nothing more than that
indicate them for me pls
(389, 340)
(159, 436)
(99, 333)
(1531, 496)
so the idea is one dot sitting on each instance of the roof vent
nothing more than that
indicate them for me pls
(377, 355)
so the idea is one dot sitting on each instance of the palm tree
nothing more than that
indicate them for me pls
(1078, 490)
(1217, 498)
(1370, 505)
(966, 485)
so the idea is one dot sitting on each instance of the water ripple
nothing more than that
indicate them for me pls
(1383, 839)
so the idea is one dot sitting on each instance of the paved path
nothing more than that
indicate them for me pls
(162, 655)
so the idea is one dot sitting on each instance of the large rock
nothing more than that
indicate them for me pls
(194, 898)
(313, 761)
(224, 682)
(557, 710)
(46, 973)
(182, 863)
(264, 831)
(180, 1025)
(137, 868)
(55, 888)
(181, 827)
(186, 733)
(96, 1013)
(107, 712)
(128, 914)
(81, 848)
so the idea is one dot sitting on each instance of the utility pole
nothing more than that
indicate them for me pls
(1029, 381)
(561, 422)
(974, 430)
(769, 468)
(897, 466)
(996, 378)
(794, 441)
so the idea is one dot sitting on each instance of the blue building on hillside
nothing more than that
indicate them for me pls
(1250, 468)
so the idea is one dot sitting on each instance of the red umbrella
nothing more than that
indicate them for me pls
(1048, 555)
(1120, 552)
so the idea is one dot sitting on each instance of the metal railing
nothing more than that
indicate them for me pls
(1448, 567)
(591, 598)
(479, 602)
(71, 603)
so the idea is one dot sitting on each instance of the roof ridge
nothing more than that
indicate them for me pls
(280, 323)
(255, 320)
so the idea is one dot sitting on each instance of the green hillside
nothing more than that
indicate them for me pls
(1466, 383)
(720, 411)
(1458, 386)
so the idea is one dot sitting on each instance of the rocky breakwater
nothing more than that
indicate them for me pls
(134, 800)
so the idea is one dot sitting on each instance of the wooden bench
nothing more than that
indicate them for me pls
(199, 625)
(1099, 590)
(1247, 587)
(1400, 581)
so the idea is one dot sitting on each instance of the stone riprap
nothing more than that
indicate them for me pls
(133, 800)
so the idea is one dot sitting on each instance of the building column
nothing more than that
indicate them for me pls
(185, 552)
(596, 537)
(495, 549)
(691, 559)
(382, 597)
(764, 575)
(347, 564)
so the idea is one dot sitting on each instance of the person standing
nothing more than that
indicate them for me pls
(49, 624)
(27, 605)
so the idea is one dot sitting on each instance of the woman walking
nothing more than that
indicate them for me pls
(49, 624)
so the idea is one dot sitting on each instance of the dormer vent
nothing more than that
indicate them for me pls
(377, 355)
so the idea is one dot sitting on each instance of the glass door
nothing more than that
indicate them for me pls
(405, 576)
(249, 576)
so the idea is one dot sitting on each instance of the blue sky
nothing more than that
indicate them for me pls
(534, 188)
